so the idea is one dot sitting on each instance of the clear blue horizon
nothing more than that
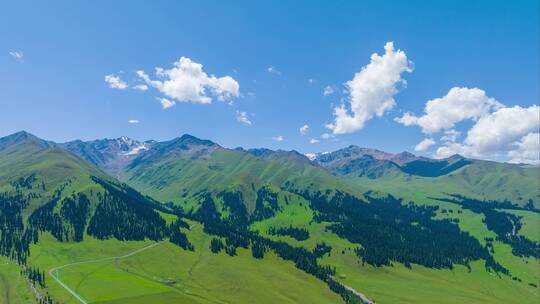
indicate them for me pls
(87, 71)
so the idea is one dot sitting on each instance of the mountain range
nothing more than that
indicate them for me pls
(349, 224)
(482, 179)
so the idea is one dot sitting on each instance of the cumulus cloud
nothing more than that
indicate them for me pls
(304, 129)
(313, 141)
(424, 144)
(17, 55)
(328, 90)
(450, 149)
(505, 134)
(450, 136)
(457, 105)
(242, 117)
(186, 81)
(141, 87)
(528, 150)
(115, 82)
(133, 121)
(166, 103)
(278, 138)
(326, 136)
(372, 90)
(501, 129)
(273, 70)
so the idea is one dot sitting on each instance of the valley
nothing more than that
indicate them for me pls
(189, 221)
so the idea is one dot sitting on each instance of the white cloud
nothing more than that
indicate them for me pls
(278, 138)
(304, 129)
(328, 90)
(499, 130)
(313, 141)
(450, 136)
(166, 103)
(242, 117)
(372, 90)
(326, 136)
(458, 105)
(133, 121)
(452, 148)
(18, 55)
(141, 87)
(528, 150)
(424, 144)
(115, 82)
(187, 82)
(273, 70)
(500, 135)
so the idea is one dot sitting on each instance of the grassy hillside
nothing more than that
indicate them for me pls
(179, 179)
(399, 284)
(168, 274)
(481, 180)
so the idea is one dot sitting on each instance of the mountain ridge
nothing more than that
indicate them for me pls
(352, 163)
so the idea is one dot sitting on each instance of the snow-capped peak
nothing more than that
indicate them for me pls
(311, 156)
(136, 149)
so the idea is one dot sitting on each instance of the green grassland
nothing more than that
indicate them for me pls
(399, 284)
(169, 274)
(481, 180)
(531, 224)
(14, 288)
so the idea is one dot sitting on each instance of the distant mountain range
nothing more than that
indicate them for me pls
(113, 155)
(126, 159)
(123, 157)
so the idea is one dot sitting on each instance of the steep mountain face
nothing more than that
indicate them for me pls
(110, 155)
(182, 175)
(186, 146)
(434, 168)
(342, 156)
(22, 138)
(371, 163)
(290, 158)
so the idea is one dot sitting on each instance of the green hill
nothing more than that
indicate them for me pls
(407, 173)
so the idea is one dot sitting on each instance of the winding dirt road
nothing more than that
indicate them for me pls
(53, 272)
(362, 296)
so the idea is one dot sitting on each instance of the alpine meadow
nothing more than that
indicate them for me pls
(269, 152)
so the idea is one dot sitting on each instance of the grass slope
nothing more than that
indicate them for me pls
(481, 180)
(168, 274)
(14, 288)
(399, 284)
(178, 179)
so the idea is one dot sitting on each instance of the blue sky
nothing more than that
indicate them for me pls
(54, 58)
